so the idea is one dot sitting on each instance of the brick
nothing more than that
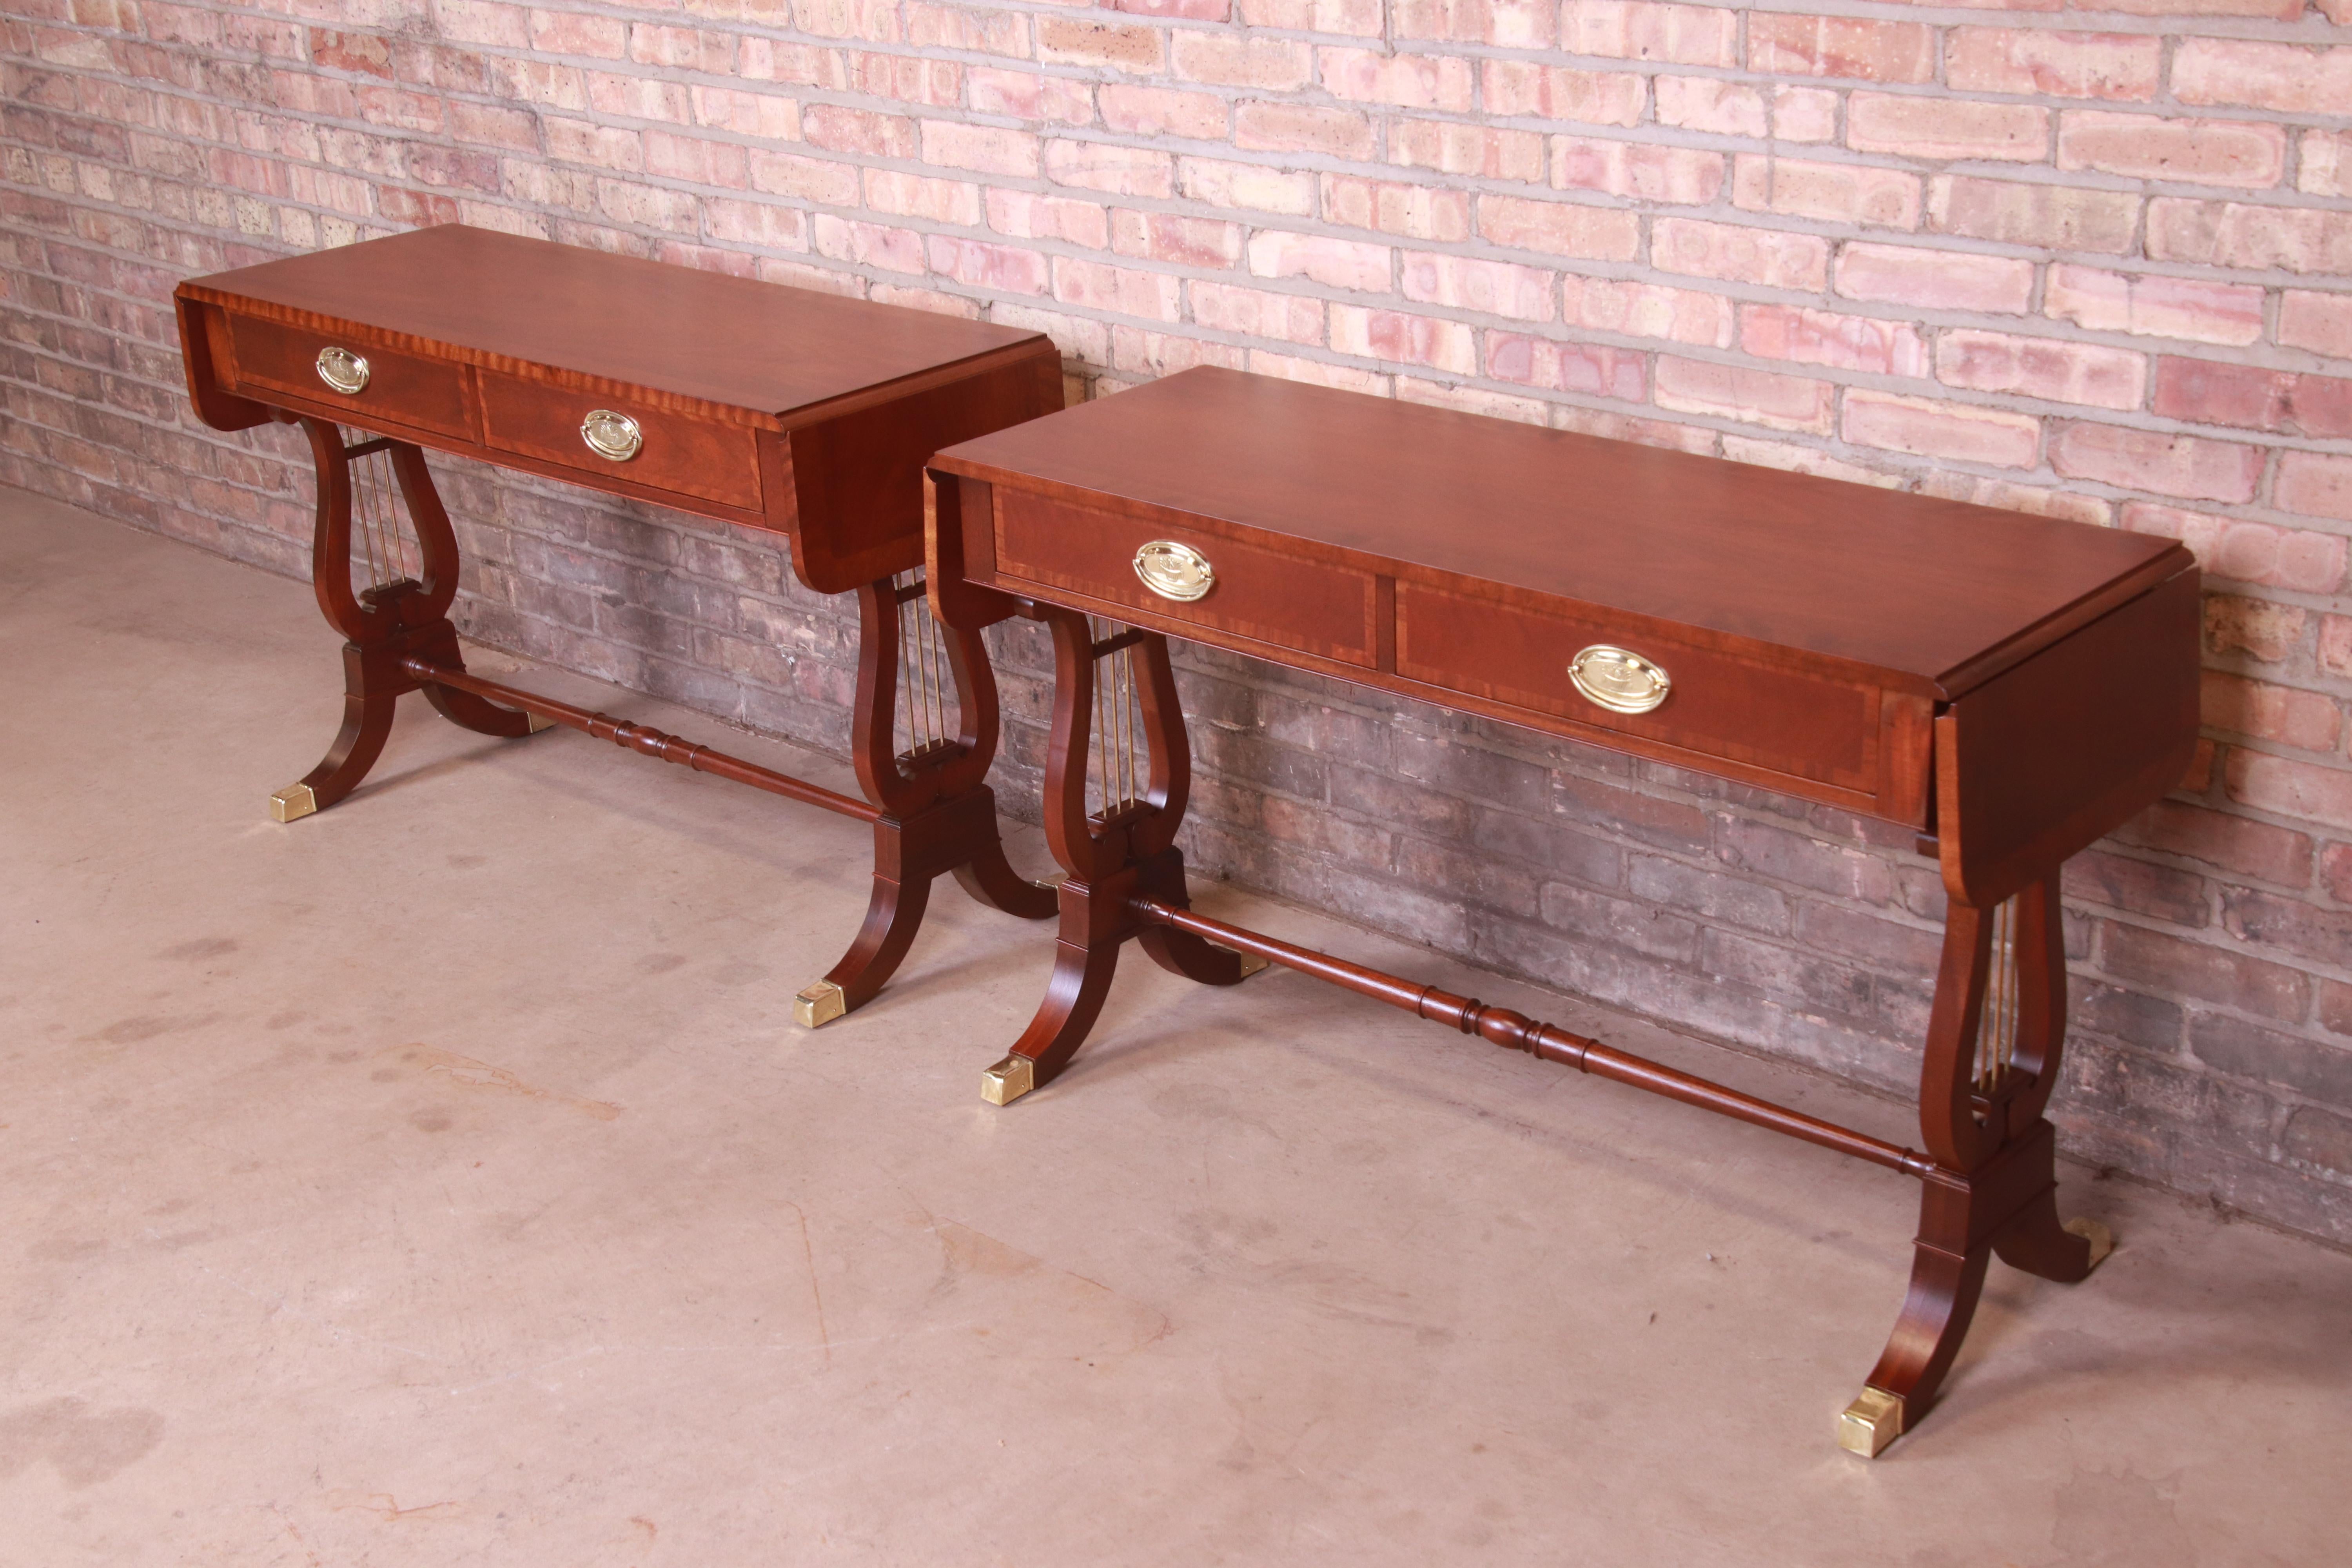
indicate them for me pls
(1827, 337)
(2336, 874)
(2177, 897)
(1400, 338)
(1945, 128)
(2268, 632)
(1590, 368)
(1474, 150)
(2236, 234)
(1176, 239)
(2264, 712)
(1637, 30)
(2252, 397)
(2318, 1137)
(1115, 46)
(1252, 185)
(844, 130)
(868, 244)
(1124, 290)
(809, 179)
(1336, 263)
(984, 149)
(1014, 269)
(2118, 67)
(1189, 10)
(1687, 176)
(2250, 1051)
(2285, 77)
(573, 33)
(1268, 64)
(1511, 24)
(2151, 305)
(1253, 313)
(2247, 552)
(2335, 645)
(1415, 212)
(770, 117)
(1561, 93)
(1466, 283)
(1789, 44)
(2190, 466)
(2286, 787)
(2241, 153)
(2047, 368)
(2324, 164)
(1162, 111)
(1833, 192)
(1402, 81)
(1121, 171)
(1648, 310)
(1302, 128)
(1024, 214)
(2050, 216)
(2316, 483)
(1710, 104)
(2267, 921)
(1357, 18)
(2238, 845)
(1022, 95)
(1961, 432)
(1561, 228)
(1936, 279)
(2320, 322)
(1769, 257)
(1751, 396)
(2169, 965)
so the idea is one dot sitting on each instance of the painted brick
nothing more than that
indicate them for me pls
(1413, 212)
(1400, 338)
(2051, 369)
(1833, 192)
(1648, 310)
(2316, 483)
(1776, 259)
(2247, 552)
(1549, 362)
(2285, 77)
(1561, 228)
(1638, 30)
(2120, 66)
(1751, 396)
(1840, 47)
(1687, 176)
(1961, 432)
(1945, 128)
(2246, 153)
(2320, 322)
(1935, 279)
(1826, 338)
(2153, 305)
(2052, 216)
(2190, 466)
(1466, 283)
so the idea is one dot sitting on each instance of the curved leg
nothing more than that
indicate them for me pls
(2037, 1242)
(894, 913)
(484, 718)
(367, 721)
(991, 880)
(1073, 999)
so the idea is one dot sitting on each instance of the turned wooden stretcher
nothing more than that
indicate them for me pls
(2010, 688)
(773, 408)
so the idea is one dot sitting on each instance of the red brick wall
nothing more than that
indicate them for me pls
(2089, 259)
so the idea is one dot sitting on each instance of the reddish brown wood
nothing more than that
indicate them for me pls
(2015, 685)
(757, 404)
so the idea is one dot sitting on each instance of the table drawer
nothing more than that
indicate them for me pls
(1262, 595)
(674, 452)
(397, 388)
(1808, 726)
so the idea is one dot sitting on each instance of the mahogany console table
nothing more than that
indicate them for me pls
(775, 407)
(2010, 686)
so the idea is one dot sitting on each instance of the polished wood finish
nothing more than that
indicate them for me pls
(755, 404)
(2012, 687)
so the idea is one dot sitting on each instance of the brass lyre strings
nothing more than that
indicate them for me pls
(1115, 767)
(926, 674)
(1997, 1023)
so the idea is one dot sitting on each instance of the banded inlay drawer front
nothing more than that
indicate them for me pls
(642, 445)
(375, 384)
(1807, 726)
(1267, 596)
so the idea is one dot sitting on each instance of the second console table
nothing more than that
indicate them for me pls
(779, 408)
(2010, 688)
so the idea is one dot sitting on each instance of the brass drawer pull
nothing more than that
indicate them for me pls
(1175, 571)
(1619, 680)
(611, 435)
(344, 371)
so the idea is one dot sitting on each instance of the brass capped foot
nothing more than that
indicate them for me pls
(1251, 962)
(819, 1004)
(541, 721)
(293, 803)
(1870, 1423)
(1008, 1081)
(2102, 1239)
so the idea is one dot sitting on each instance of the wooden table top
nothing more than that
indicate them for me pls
(1905, 582)
(734, 341)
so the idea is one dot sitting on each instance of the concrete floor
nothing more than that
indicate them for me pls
(442, 1180)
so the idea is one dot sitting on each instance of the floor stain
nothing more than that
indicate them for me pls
(202, 947)
(2118, 1521)
(466, 1073)
(1081, 1317)
(86, 1447)
(386, 1507)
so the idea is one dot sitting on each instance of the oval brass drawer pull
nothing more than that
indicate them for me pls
(612, 435)
(1175, 571)
(1618, 680)
(344, 371)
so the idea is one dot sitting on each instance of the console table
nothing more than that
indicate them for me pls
(775, 407)
(2010, 686)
